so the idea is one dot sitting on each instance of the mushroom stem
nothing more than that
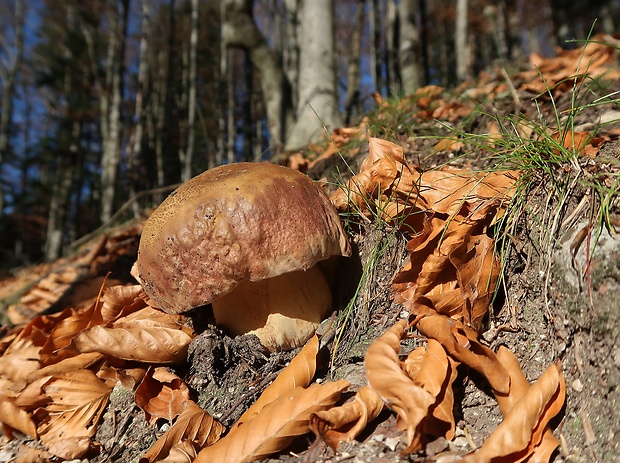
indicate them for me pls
(283, 311)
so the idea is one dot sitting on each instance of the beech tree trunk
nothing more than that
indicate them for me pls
(240, 30)
(135, 159)
(409, 50)
(353, 69)
(110, 99)
(318, 99)
(461, 45)
(8, 73)
(191, 98)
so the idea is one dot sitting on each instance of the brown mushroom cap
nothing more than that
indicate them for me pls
(236, 222)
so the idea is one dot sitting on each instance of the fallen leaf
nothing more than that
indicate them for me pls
(17, 418)
(147, 336)
(275, 427)
(461, 344)
(386, 376)
(519, 385)
(513, 440)
(298, 373)
(430, 368)
(78, 362)
(346, 422)
(161, 394)
(77, 401)
(72, 448)
(451, 144)
(193, 427)
(574, 141)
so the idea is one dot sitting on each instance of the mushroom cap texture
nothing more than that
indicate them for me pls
(236, 222)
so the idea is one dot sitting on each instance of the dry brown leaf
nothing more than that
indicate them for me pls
(121, 301)
(384, 172)
(194, 426)
(78, 362)
(452, 269)
(150, 344)
(344, 423)
(519, 385)
(298, 373)
(515, 437)
(72, 448)
(448, 189)
(58, 344)
(27, 454)
(574, 141)
(77, 402)
(430, 368)
(461, 344)
(16, 418)
(275, 427)
(451, 144)
(161, 394)
(127, 376)
(20, 360)
(385, 374)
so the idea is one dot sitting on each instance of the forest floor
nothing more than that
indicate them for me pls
(557, 297)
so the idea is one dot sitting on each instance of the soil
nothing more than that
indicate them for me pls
(554, 304)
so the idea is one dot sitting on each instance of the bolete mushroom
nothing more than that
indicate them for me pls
(245, 238)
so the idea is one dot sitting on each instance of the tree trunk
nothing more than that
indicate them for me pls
(353, 69)
(318, 100)
(461, 43)
(239, 30)
(230, 105)
(143, 73)
(8, 74)
(110, 99)
(292, 50)
(191, 100)
(376, 46)
(391, 52)
(409, 50)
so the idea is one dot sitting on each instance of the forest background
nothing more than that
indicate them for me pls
(104, 99)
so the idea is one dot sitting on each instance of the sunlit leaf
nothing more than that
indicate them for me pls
(275, 427)
(298, 373)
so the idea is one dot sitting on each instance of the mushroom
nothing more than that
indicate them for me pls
(245, 238)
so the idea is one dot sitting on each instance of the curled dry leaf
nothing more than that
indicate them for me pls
(385, 374)
(461, 344)
(77, 401)
(275, 427)
(344, 423)
(519, 385)
(383, 174)
(452, 268)
(298, 373)
(430, 368)
(161, 394)
(194, 428)
(521, 431)
(120, 301)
